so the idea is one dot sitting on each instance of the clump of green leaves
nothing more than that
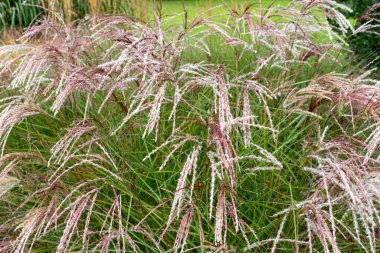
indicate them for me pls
(14, 14)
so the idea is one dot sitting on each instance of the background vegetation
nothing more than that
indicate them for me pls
(242, 128)
(365, 45)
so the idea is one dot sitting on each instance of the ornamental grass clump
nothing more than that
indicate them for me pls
(221, 134)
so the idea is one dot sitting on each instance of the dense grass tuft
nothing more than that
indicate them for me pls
(218, 134)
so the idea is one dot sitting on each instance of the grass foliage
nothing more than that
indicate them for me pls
(20, 14)
(240, 133)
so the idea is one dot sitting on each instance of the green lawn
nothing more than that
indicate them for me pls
(196, 7)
